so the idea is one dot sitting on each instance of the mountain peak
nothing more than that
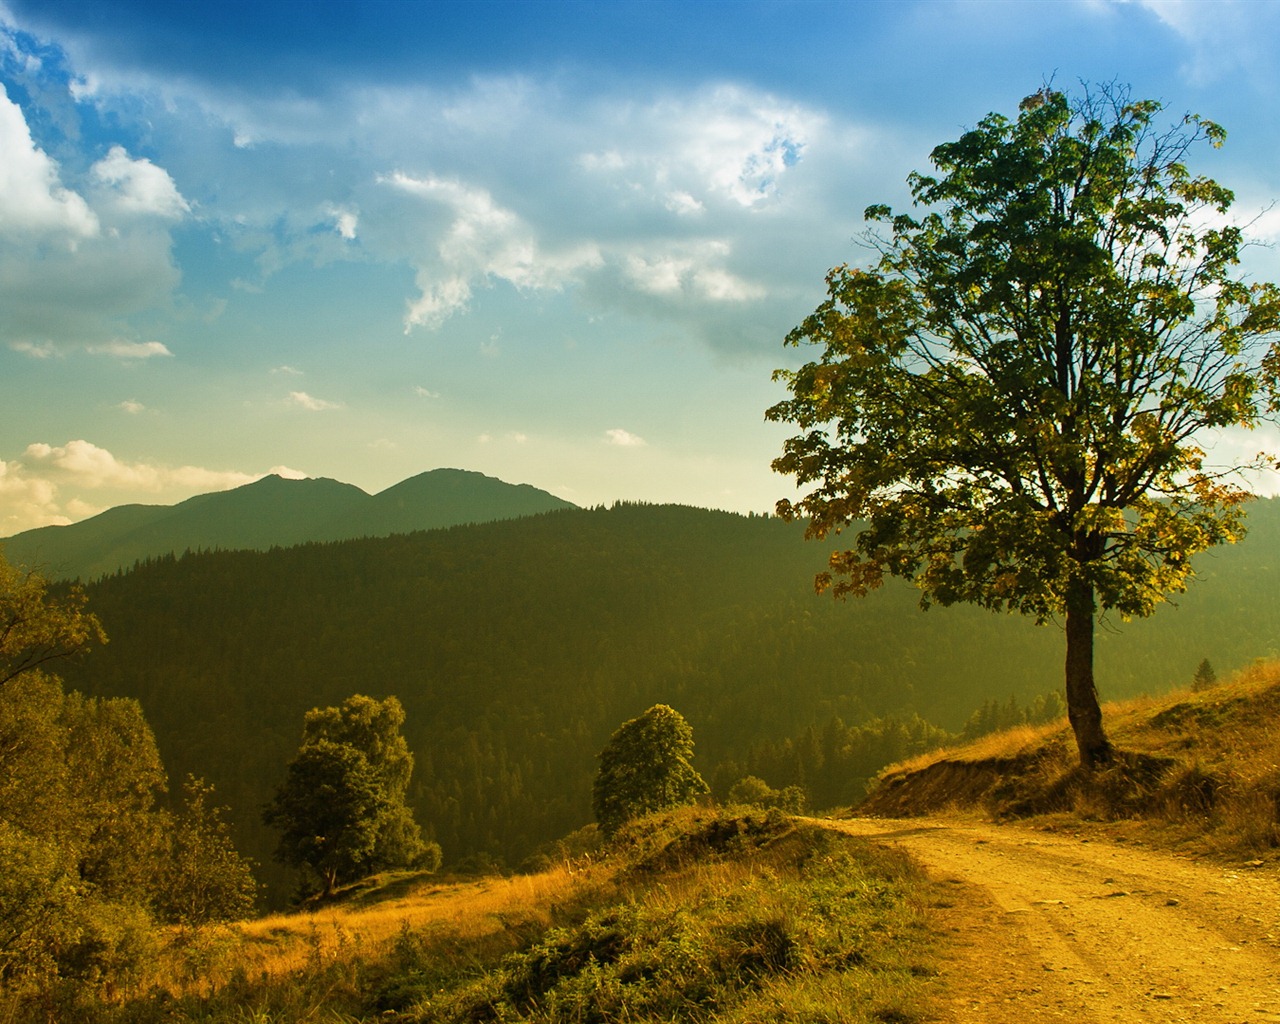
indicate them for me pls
(274, 511)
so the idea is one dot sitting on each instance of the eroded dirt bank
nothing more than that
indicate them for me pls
(1053, 927)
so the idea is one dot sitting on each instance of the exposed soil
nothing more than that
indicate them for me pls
(1050, 926)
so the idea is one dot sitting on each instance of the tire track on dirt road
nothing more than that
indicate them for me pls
(1048, 927)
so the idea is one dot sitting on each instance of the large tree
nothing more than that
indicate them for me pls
(1012, 401)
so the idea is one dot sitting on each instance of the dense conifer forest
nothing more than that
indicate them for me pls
(518, 647)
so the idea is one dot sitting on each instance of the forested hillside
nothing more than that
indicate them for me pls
(518, 647)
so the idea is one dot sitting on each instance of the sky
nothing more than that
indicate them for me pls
(556, 243)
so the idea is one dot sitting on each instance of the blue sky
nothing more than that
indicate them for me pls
(558, 243)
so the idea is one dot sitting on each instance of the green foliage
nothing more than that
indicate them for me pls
(341, 809)
(1009, 404)
(85, 775)
(646, 767)
(373, 728)
(751, 791)
(327, 810)
(36, 627)
(205, 878)
(785, 910)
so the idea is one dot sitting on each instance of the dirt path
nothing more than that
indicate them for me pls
(1059, 928)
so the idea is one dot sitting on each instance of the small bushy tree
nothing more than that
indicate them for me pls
(327, 810)
(646, 767)
(341, 809)
(205, 878)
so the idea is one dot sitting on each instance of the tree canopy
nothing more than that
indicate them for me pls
(341, 809)
(1011, 403)
(36, 627)
(646, 767)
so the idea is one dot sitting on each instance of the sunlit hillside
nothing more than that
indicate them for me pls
(1195, 769)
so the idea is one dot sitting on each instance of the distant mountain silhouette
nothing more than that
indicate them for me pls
(273, 512)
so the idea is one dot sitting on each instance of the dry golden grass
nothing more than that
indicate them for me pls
(1197, 770)
(370, 922)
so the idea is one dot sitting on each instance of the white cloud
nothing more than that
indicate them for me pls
(624, 438)
(36, 350)
(26, 502)
(485, 240)
(131, 407)
(422, 392)
(725, 142)
(287, 371)
(688, 270)
(345, 221)
(312, 403)
(44, 486)
(33, 201)
(139, 187)
(74, 264)
(122, 349)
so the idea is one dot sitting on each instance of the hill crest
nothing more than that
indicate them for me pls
(273, 512)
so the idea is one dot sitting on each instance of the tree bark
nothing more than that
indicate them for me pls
(1083, 710)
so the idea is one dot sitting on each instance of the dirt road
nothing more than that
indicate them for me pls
(1050, 927)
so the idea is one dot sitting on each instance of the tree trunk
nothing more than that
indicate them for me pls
(1083, 710)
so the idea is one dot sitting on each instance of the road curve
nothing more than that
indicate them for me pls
(1053, 927)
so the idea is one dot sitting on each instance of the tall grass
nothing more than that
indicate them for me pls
(1196, 769)
(694, 916)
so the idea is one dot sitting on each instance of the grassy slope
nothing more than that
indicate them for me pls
(1197, 771)
(693, 916)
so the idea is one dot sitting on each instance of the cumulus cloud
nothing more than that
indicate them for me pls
(36, 350)
(27, 502)
(45, 485)
(344, 221)
(723, 143)
(667, 204)
(33, 200)
(688, 270)
(422, 392)
(75, 262)
(624, 438)
(138, 187)
(484, 240)
(311, 403)
(131, 407)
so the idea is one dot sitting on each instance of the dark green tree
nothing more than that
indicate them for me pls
(327, 810)
(374, 728)
(646, 767)
(1205, 676)
(341, 808)
(1010, 402)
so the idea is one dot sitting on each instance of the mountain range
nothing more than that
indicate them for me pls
(272, 512)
